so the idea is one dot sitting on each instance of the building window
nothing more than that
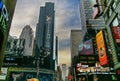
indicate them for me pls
(115, 22)
(30, 41)
(106, 17)
(114, 5)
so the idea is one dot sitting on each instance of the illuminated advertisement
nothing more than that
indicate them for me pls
(101, 48)
(3, 17)
(25, 76)
(95, 13)
(86, 47)
(116, 33)
(83, 69)
(95, 9)
(4, 73)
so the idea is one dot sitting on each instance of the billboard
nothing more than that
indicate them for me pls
(86, 47)
(3, 17)
(101, 48)
(95, 12)
(94, 9)
(24, 76)
(116, 34)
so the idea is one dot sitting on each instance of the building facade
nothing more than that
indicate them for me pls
(94, 22)
(6, 7)
(111, 14)
(45, 35)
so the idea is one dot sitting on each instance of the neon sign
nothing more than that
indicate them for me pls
(3, 17)
(4, 10)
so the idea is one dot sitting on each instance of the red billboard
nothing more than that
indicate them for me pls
(101, 48)
(116, 34)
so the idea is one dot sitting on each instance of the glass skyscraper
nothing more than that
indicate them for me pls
(45, 36)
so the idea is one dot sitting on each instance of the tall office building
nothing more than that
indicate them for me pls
(82, 18)
(6, 7)
(76, 39)
(28, 35)
(45, 36)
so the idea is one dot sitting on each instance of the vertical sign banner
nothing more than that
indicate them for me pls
(116, 33)
(101, 48)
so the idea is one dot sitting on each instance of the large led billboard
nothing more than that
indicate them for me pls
(116, 33)
(101, 48)
(86, 47)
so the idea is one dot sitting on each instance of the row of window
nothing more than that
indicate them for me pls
(114, 17)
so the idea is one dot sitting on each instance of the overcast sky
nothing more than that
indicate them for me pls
(66, 18)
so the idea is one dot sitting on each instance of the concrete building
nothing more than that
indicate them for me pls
(64, 71)
(28, 35)
(76, 39)
(8, 7)
(45, 36)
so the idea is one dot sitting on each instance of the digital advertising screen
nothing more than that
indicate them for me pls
(86, 48)
(101, 48)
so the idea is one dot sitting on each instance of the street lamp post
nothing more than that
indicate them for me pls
(38, 69)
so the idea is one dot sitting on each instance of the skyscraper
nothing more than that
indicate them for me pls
(76, 39)
(28, 36)
(45, 35)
